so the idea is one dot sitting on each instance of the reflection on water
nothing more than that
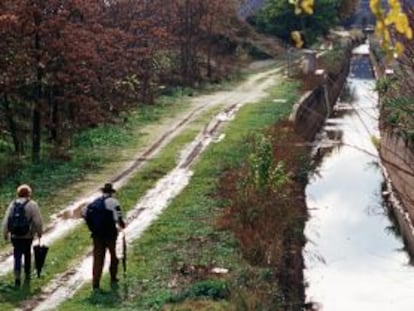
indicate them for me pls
(353, 261)
(361, 68)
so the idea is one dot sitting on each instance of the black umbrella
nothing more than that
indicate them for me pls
(40, 252)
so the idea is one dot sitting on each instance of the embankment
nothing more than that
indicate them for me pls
(308, 116)
(315, 106)
(397, 156)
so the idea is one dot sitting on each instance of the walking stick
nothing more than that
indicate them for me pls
(124, 253)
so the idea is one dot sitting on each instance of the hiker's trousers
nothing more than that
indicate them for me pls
(100, 245)
(21, 248)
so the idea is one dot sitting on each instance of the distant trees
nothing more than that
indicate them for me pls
(198, 26)
(69, 64)
(280, 18)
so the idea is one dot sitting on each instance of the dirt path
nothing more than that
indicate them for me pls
(156, 199)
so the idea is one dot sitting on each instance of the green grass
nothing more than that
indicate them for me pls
(186, 233)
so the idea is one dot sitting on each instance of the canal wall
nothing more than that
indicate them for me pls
(398, 160)
(397, 155)
(310, 112)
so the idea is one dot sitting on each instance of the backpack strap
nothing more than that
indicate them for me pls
(104, 199)
(23, 205)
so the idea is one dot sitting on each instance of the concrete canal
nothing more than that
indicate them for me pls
(353, 259)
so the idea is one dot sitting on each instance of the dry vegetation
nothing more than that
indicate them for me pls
(267, 221)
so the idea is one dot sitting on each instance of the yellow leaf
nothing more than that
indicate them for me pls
(374, 6)
(379, 27)
(399, 48)
(401, 23)
(409, 33)
(297, 38)
(387, 37)
(307, 6)
(388, 20)
(392, 17)
(395, 5)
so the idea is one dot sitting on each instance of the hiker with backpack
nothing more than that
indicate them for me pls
(103, 217)
(20, 224)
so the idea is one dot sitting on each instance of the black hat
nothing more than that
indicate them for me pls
(108, 188)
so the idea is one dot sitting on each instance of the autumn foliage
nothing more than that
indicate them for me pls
(397, 89)
(66, 65)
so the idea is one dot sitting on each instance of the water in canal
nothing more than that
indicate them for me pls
(353, 260)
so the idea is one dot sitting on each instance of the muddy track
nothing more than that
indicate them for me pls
(150, 206)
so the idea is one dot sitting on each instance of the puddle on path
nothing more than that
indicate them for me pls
(353, 260)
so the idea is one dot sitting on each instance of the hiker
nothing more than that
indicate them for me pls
(102, 216)
(21, 229)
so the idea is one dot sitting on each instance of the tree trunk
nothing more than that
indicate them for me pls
(12, 127)
(36, 117)
(209, 68)
(209, 49)
(36, 132)
(186, 46)
(53, 118)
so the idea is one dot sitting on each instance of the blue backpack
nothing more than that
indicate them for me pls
(18, 224)
(99, 219)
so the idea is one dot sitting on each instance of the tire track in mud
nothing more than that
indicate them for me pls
(148, 208)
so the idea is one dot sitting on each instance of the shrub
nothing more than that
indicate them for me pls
(214, 289)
